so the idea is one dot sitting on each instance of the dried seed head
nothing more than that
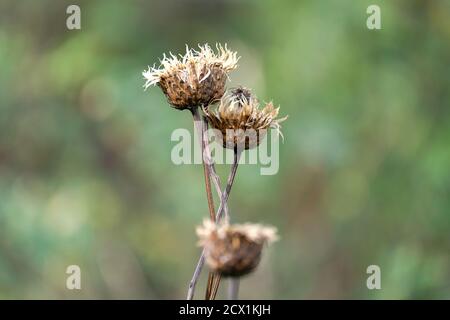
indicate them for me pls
(195, 79)
(239, 120)
(234, 250)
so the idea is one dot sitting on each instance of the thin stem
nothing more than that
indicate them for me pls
(216, 180)
(199, 125)
(211, 166)
(233, 288)
(215, 281)
(201, 128)
(211, 171)
(198, 270)
(209, 285)
(230, 181)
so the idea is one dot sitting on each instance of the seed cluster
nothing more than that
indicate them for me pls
(234, 250)
(195, 79)
(240, 121)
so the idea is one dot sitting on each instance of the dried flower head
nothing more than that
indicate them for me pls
(239, 120)
(234, 250)
(195, 79)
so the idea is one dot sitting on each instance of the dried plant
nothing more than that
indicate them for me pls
(196, 81)
(234, 250)
(240, 121)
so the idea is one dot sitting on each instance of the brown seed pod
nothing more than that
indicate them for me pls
(196, 79)
(234, 250)
(239, 121)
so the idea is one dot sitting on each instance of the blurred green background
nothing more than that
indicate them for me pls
(85, 170)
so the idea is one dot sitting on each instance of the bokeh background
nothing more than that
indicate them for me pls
(85, 170)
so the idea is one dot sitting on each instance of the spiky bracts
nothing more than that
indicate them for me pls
(196, 78)
(240, 121)
(234, 250)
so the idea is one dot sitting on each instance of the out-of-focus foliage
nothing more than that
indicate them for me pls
(85, 170)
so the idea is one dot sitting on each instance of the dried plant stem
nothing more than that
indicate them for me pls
(233, 288)
(201, 126)
(230, 181)
(209, 285)
(210, 163)
(215, 281)
(197, 271)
